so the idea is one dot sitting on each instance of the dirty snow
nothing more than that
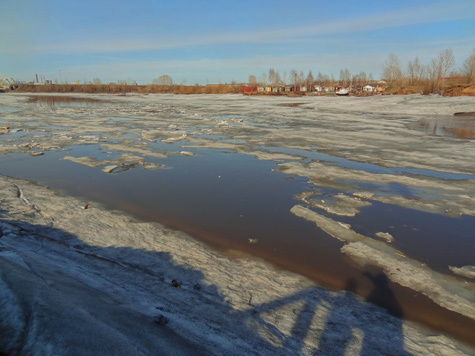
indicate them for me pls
(87, 280)
(92, 281)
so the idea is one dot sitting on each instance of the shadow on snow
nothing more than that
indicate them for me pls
(75, 298)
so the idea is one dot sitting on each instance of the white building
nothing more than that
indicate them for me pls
(369, 89)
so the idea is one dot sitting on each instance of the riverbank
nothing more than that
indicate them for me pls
(450, 89)
(78, 280)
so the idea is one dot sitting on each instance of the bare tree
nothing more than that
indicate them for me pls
(359, 79)
(414, 70)
(425, 72)
(392, 68)
(345, 77)
(271, 76)
(442, 64)
(363, 78)
(163, 80)
(320, 78)
(277, 79)
(309, 80)
(294, 77)
(263, 79)
(301, 78)
(439, 68)
(252, 81)
(468, 68)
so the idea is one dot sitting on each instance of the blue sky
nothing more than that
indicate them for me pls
(219, 41)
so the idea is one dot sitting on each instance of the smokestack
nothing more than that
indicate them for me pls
(36, 78)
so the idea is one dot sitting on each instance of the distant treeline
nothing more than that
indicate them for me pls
(437, 76)
(124, 88)
(455, 86)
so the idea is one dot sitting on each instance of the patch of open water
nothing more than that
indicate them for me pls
(225, 199)
(66, 101)
(222, 138)
(311, 155)
(8, 109)
(15, 136)
(451, 126)
(218, 196)
(436, 240)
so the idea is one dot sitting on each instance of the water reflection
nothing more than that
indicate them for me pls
(359, 331)
(450, 126)
(382, 295)
(62, 101)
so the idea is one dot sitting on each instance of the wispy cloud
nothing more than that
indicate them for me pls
(199, 70)
(404, 17)
(359, 43)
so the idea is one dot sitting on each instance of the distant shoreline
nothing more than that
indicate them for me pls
(123, 89)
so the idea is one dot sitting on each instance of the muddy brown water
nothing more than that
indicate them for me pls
(58, 100)
(459, 126)
(224, 199)
(227, 200)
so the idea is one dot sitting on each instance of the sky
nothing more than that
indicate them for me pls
(213, 41)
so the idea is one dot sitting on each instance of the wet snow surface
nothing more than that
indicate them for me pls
(372, 195)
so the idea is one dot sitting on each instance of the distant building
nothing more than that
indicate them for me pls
(318, 88)
(369, 88)
(247, 89)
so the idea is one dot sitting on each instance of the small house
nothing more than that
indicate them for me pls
(369, 88)
(247, 89)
